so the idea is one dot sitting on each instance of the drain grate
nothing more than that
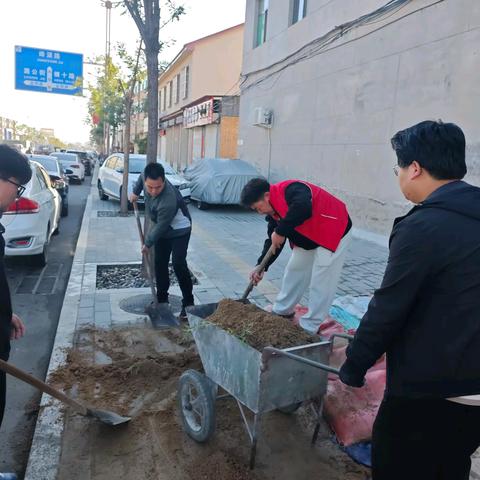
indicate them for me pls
(43, 282)
(116, 213)
(128, 276)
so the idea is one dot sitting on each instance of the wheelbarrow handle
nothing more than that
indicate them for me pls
(342, 335)
(306, 361)
(261, 267)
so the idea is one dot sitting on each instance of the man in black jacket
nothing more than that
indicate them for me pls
(14, 172)
(426, 316)
(170, 232)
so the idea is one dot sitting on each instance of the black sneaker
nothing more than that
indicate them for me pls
(183, 312)
(183, 315)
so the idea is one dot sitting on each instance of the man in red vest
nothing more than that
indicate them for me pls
(318, 227)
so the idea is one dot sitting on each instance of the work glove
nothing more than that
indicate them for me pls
(350, 375)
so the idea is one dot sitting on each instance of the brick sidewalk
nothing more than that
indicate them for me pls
(225, 245)
(226, 242)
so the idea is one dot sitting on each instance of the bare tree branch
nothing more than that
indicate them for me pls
(134, 10)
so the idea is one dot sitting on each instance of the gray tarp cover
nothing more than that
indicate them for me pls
(219, 180)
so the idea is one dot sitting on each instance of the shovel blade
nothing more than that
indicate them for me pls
(107, 417)
(162, 316)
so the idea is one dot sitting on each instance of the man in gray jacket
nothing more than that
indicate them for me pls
(170, 232)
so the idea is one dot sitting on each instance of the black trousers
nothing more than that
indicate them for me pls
(424, 440)
(177, 248)
(3, 387)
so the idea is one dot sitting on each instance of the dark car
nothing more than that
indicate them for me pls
(58, 177)
(84, 158)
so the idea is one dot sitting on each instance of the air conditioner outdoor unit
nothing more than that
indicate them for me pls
(262, 117)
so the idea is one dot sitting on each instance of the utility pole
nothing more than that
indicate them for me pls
(108, 23)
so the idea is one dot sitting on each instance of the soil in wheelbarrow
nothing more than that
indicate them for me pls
(135, 371)
(259, 328)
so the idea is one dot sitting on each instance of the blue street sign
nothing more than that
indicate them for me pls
(50, 71)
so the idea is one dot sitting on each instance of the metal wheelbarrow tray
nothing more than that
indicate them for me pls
(261, 381)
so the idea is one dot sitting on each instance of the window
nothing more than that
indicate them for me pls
(119, 165)
(177, 88)
(164, 98)
(170, 93)
(186, 81)
(46, 178)
(160, 109)
(299, 10)
(111, 162)
(261, 26)
(40, 179)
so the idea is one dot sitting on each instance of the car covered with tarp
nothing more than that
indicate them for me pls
(218, 181)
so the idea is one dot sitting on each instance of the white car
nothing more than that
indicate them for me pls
(72, 165)
(33, 218)
(110, 176)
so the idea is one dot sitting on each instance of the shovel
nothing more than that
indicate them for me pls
(260, 269)
(109, 418)
(160, 313)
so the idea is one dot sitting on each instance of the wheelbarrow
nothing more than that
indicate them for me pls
(259, 381)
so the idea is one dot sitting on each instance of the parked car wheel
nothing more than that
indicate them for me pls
(101, 193)
(64, 212)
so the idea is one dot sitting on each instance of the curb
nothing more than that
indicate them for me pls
(44, 457)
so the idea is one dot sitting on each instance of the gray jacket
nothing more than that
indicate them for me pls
(168, 212)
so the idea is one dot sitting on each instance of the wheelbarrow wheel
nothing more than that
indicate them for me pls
(197, 405)
(289, 409)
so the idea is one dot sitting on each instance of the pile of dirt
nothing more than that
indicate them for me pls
(258, 328)
(126, 378)
(220, 465)
(138, 376)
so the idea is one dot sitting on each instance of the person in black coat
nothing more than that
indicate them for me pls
(426, 316)
(14, 173)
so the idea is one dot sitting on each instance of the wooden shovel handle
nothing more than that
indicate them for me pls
(42, 386)
(139, 223)
(147, 257)
(260, 269)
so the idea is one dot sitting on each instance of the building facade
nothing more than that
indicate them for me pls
(139, 122)
(8, 129)
(198, 100)
(326, 84)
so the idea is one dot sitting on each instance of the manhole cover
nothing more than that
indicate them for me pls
(139, 305)
(128, 276)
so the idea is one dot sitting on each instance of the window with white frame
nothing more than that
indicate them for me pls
(170, 93)
(164, 98)
(177, 88)
(186, 82)
(174, 87)
(298, 10)
(160, 102)
(261, 23)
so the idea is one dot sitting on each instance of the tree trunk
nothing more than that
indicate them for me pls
(126, 155)
(152, 95)
(152, 135)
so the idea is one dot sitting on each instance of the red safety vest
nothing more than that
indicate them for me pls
(329, 219)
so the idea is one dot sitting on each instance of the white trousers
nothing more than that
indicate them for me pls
(318, 269)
